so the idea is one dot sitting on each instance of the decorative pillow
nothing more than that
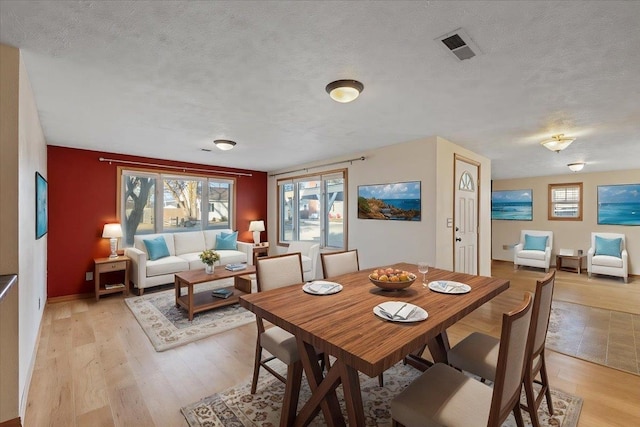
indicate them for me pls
(535, 243)
(157, 248)
(609, 247)
(227, 241)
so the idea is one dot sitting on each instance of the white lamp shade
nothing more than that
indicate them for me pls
(344, 91)
(112, 231)
(576, 167)
(256, 226)
(557, 143)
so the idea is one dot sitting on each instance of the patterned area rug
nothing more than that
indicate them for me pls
(168, 326)
(237, 407)
(598, 335)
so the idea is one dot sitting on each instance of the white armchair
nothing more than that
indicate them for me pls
(534, 249)
(310, 252)
(608, 255)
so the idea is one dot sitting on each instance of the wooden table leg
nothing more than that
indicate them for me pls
(438, 347)
(190, 289)
(177, 285)
(352, 393)
(323, 390)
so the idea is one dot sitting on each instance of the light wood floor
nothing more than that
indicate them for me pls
(95, 366)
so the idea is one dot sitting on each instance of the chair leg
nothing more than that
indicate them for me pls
(531, 401)
(256, 366)
(545, 383)
(517, 413)
(291, 393)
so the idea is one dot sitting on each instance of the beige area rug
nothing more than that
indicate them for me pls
(606, 337)
(237, 407)
(168, 326)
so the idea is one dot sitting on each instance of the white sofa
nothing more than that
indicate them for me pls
(184, 254)
(533, 258)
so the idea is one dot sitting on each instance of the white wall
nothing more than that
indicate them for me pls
(429, 160)
(566, 234)
(32, 253)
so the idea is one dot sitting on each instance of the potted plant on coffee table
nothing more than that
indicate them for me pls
(209, 258)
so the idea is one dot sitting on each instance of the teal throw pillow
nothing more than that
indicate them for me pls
(227, 241)
(609, 247)
(157, 248)
(535, 243)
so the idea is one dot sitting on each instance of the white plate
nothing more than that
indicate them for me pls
(449, 287)
(322, 287)
(393, 306)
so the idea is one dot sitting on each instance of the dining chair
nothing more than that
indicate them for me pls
(442, 395)
(275, 272)
(478, 353)
(338, 263)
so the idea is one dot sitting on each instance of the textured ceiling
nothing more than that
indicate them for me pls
(164, 79)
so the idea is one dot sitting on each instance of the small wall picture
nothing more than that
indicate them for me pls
(619, 204)
(41, 206)
(514, 205)
(400, 201)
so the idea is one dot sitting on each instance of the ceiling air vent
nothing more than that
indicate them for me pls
(460, 44)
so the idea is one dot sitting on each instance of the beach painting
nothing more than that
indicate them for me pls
(619, 204)
(400, 201)
(514, 205)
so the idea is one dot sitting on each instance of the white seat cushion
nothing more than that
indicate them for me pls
(607, 261)
(281, 344)
(166, 265)
(528, 254)
(194, 260)
(443, 396)
(231, 257)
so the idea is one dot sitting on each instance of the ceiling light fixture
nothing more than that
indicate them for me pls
(344, 90)
(557, 143)
(224, 144)
(576, 167)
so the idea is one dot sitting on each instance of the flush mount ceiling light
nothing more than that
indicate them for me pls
(576, 167)
(224, 144)
(557, 143)
(344, 90)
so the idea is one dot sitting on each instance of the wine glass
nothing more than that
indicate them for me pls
(423, 268)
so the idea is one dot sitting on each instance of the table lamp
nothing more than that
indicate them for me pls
(112, 232)
(256, 227)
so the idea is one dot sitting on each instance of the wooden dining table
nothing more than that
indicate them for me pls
(344, 326)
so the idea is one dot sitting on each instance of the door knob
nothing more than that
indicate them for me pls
(458, 239)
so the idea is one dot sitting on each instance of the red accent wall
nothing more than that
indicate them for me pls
(82, 198)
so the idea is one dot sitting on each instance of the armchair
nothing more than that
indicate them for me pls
(608, 255)
(534, 249)
(309, 252)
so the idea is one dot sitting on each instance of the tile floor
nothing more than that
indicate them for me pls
(606, 337)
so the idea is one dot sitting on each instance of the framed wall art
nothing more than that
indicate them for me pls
(619, 204)
(41, 206)
(400, 201)
(516, 205)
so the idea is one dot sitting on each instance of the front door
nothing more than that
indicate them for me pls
(465, 257)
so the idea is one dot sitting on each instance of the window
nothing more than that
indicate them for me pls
(313, 208)
(176, 199)
(565, 202)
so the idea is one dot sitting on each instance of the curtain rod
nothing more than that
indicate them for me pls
(184, 169)
(321, 166)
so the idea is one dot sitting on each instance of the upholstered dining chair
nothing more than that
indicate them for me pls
(337, 263)
(444, 396)
(275, 272)
(478, 353)
(534, 249)
(608, 255)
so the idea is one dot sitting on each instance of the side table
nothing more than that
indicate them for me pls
(262, 250)
(578, 258)
(106, 265)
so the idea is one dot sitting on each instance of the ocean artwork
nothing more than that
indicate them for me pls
(514, 205)
(619, 204)
(400, 201)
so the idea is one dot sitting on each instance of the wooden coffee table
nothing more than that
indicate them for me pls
(195, 302)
